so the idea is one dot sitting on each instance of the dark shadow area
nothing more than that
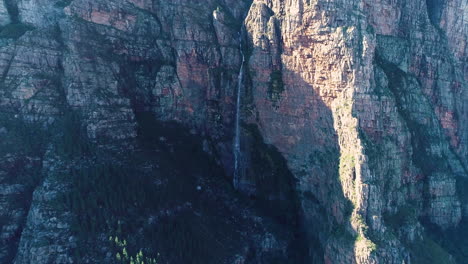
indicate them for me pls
(14, 31)
(434, 9)
(421, 139)
(22, 147)
(167, 197)
(16, 28)
(150, 198)
(436, 245)
(286, 108)
(12, 8)
(273, 189)
(454, 240)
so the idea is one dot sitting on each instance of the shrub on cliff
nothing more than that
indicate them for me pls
(123, 256)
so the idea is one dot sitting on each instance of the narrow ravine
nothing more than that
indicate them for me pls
(237, 147)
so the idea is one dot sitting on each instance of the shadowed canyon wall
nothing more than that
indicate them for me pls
(117, 119)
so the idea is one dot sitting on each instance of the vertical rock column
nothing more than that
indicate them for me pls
(4, 16)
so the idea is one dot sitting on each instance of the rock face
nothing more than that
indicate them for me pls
(354, 131)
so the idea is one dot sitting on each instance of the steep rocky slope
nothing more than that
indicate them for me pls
(117, 120)
(370, 114)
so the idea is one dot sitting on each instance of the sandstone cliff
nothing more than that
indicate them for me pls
(117, 119)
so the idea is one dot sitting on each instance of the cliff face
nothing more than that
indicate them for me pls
(370, 114)
(354, 133)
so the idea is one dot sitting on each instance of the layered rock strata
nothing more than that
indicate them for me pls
(354, 123)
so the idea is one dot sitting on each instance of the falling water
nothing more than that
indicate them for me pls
(237, 149)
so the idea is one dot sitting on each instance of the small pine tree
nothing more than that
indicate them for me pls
(123, 255)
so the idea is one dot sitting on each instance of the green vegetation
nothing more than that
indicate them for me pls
(340, 232)
(365, 234)
(369, 243)
(102, 194)
(123, 256)
(14, 31)
(451, 241)
(146, 196)
(426, 251)
(398, 83)
(150, 199)
(326, 156)
(436, 244)
(347, 166)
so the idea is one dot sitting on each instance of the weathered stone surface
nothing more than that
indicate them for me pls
(356, 61)
(4, 15)
(367, 101)
(47, 235)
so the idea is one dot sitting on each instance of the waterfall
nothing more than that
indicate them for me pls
(237, 148)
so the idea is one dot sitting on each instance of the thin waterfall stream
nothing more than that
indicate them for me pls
(237, 147)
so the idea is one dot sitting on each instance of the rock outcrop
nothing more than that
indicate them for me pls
(354, 131)
(375, 91)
